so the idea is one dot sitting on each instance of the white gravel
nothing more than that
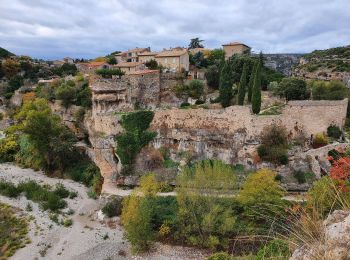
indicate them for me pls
(86, 238)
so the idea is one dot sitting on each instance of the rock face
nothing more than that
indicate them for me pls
(335, 242)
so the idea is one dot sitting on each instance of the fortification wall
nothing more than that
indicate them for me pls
(226, 134)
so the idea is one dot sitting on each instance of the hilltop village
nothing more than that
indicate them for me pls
(222, 150)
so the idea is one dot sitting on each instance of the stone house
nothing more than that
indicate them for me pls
(131, 55)
(147, 56)
(176, 59)
(129, 67)
(235, 48)
(91, 67)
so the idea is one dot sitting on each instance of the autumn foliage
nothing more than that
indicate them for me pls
(340, 169)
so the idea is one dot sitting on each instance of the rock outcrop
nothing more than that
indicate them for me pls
(334, 243)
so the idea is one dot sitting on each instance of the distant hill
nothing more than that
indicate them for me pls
(329, 64)
(283, 63)
(5, 53)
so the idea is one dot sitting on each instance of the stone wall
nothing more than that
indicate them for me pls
(225, 133)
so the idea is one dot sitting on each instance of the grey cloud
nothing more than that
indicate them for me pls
(90, 28)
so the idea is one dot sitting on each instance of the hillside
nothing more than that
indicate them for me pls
(326, 64)
(5, 53)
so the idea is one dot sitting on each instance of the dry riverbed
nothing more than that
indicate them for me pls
(87, 238)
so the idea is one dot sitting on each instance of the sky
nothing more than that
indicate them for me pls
(53, 29)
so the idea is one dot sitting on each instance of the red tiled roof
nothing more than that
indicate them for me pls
(235, 43)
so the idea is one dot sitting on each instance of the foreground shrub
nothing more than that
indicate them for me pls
(334, 132)
(319, 140)
(113, 207)
(275, 249)
(203, 220)
(292, 89)
(8, 148)
(261, 197)
(326, 196)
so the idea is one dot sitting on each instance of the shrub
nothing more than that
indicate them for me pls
(199, 102)
(67, 222)
(67, 94)
(333, 90)
(292, 89)
(334, 132)
(113, 207)
(274, 144)
(319, 140)
(61, 191)
(108, 73)
(303, 177)
(202, 219)
(261, 197)
(185, 104)
(326, 196)
(275, 249)
(8, 189)
(195, 88)
(220, 256)
(8, 148)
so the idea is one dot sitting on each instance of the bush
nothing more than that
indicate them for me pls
(108, 73)
(195, 88)
(334, 132)
(61, 191)
(275, 249)
(8, 148)
(113, 207)
(185, 104)
(220, 256)
(261, 197)
(304, 177)
(325, 196)
(274, 145)
(333, 90)
(67, 94)
(199, 102)
(203, 220)
(292, 89)
(319, 140)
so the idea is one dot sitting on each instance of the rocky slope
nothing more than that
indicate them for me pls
(334, 243)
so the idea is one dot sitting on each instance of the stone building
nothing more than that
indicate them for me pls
(175, 60)
(235, 48)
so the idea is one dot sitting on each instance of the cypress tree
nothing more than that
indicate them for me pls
(251, 83)
(225, 89)
(256, 91)
(242, 85)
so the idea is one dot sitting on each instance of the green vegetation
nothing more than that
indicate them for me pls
(136, 135)
(334, 131)
(113, 207)
(195, 89)
(243, 85)
(274, 145)
(292, 89)
(4, 54)
(48, 198)
(225, 88)
(333, 90)
(319, 140)
(108, 73)
(256, 90)
(13, 231)
(275, 249)
(152, 64)
(304, 177)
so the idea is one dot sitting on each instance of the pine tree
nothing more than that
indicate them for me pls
(256, 91)
(225, 90)
(251, 82)
(243, 85)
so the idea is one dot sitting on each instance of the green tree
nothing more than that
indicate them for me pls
(212, 76)
(111, 60)
(203, 220)
(292, 89)
(195, 43)
(256, 90)
(152, 64)
(195, 88)
(242, 85)
(226, 83)
(67, 94)
(10, 68)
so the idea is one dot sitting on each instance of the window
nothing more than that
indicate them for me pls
(166, 60)
(174, 60)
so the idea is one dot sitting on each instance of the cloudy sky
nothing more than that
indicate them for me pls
(89, 28)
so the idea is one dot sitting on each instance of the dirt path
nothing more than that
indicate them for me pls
(87, 238)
